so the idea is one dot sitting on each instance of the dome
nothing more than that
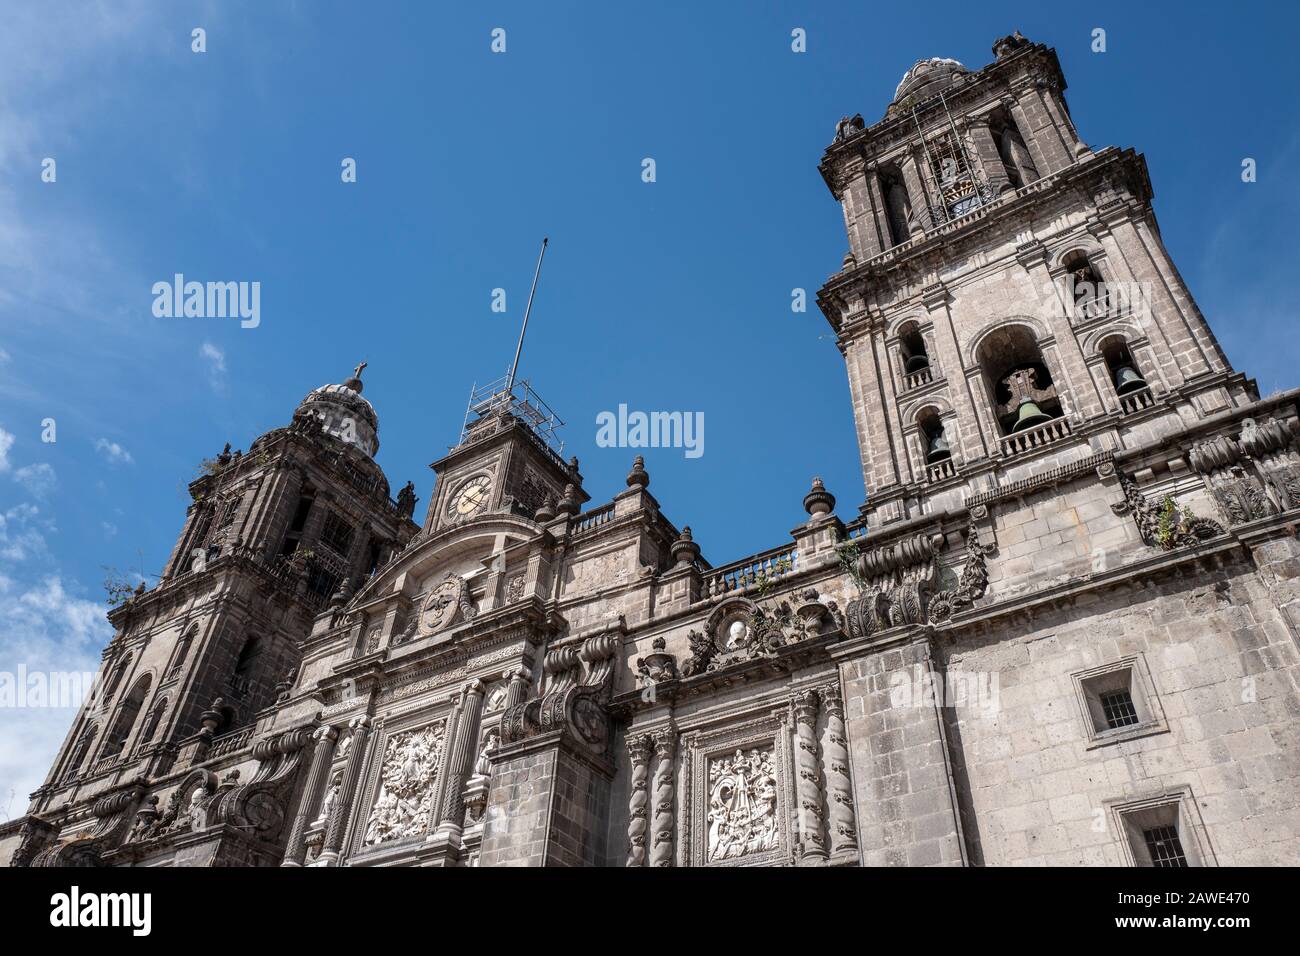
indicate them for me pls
(929, 77)
(344, 413)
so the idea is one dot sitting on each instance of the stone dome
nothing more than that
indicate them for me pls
(344, 413)
(928, 77)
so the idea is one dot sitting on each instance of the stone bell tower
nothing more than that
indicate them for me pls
(1006, 297)
(200, 661)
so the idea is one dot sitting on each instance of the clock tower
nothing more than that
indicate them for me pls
(506, 462)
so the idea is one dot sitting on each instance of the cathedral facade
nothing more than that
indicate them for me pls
(1062, 629)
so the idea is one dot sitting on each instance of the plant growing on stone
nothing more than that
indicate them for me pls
(1170, 522)
(118, 587)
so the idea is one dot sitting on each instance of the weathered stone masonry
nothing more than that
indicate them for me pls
(1061, 630)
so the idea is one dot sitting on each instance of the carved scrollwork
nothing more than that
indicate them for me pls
(1168, 527)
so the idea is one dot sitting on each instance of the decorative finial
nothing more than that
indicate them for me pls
(354, 382)
(638, 475)
(684, 550)
(818, 502)
(569, 503)
(547, 511)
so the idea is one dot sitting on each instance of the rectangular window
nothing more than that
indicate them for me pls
(1164, 847)
(1118, 708)
(1161, 830)
(1118, 702)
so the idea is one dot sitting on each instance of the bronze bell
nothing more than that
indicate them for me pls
(1128, 380)
(939, 449)
(916, 363)
(1029, 416)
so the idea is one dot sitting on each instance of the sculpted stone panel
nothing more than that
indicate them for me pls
(738, 784)
(404, 807)
(742, 804)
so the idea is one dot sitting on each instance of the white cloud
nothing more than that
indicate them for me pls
(21, 536)
(216, 360)
(110, 529)
(6, 442)
(114, 453)
(39, 479)
(47, 630)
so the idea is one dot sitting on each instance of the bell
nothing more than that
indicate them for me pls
(916, 363)
(939, 449)
(1029, 415)
(1128, 380)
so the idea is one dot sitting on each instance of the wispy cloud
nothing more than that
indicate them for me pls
(6, 442)
(216, 362)
(39, 479)
(113, 453)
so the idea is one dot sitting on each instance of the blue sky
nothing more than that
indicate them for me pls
(673, 295)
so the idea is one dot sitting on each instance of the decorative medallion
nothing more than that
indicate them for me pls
(446, 604)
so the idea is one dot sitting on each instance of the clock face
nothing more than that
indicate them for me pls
(470, 498)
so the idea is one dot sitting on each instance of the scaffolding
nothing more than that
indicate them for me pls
(520, 400)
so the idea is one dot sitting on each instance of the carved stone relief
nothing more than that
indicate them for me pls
(445, 605)
(742, 814)
(404, 807)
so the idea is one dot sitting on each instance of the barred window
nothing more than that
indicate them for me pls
(336, 534)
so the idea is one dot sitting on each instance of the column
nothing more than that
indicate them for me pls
(839, 785)
(638, 749)
(517, 688)
(338, 820)
(661, 850)
(465, 748)
(325, 737)
(809, 787)
(922, 221)
(986, 149)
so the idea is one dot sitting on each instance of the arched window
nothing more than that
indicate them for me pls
(1011, 147)
(1087, 291)
(916, 360)
(1125, 373)
(935, 445)
(127, 712)
(77, 756)
(152, 720)
(898, 206)
(114, 680)
(242, 678)
(1019, 381)
(181, 652)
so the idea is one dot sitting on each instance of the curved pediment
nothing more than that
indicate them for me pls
(465, 544)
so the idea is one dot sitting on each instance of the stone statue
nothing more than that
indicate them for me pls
(483, 766)
(406, 500)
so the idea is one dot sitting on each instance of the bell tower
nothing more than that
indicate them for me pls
(271, 537)
(1006, 304)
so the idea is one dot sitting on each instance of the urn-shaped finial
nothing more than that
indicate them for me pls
(684, 550)
(638, 476)
(818, 502)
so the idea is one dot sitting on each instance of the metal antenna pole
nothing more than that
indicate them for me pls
(514, 366)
